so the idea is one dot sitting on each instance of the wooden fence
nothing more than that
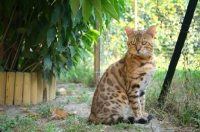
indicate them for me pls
(18, 88)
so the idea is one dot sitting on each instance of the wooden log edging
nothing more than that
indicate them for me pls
(17, 88)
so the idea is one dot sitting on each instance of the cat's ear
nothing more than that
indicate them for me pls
(151, 31)
(128, 30)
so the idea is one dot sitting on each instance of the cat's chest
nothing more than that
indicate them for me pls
(142, 76)
(145, 80)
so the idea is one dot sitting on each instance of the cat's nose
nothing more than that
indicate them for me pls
(138, 50)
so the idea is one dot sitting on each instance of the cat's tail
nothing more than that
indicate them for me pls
(115, 119)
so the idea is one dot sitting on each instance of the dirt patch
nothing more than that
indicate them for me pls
(77, 100)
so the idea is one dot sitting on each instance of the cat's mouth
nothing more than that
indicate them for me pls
(142, 52)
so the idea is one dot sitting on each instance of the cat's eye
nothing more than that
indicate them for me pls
(133, 42)
(144, 42)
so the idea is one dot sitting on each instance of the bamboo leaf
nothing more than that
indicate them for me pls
(74, 6)
(21, 30)
(61, 58)
(77, 19)
(41, 35)
(29, 54)
(72, 50)
(55, 72)
(99, 17)
(86, 10)
(56, 14)
(44, 50)
(47, 62)
(97, 5)
(65, 22)
(81, 2)
(51, 34)
(28, 28)
(109, 8)
(116, 6)
(62, 67)
(97, 10)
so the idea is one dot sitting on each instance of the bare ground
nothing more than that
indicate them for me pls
(77, 100)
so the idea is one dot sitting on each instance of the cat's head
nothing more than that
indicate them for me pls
(140, 42)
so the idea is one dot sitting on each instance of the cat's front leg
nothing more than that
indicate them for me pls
(134, 99)
(142, 102)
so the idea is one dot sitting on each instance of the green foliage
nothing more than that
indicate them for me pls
(182, 103)
(7, 123)
(166, 15)
(82, 73)
(77, 124)
(122, 126)
(44, 109)
(50, 36)
(52, 128)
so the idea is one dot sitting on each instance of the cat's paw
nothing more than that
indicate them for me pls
(145, 120)
(142, 121)
(131, 120)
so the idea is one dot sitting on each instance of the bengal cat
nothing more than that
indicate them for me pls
(124, 83)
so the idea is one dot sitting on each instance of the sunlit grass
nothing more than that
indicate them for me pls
(182, 102)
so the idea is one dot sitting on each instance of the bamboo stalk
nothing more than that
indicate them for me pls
(10, 85)
(3, 87)
(5, 34)
(39, 87)
(19, 78)
(27, 87)
(34, 88)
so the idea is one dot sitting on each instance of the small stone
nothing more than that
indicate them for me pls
(23, 108)
(62, 91)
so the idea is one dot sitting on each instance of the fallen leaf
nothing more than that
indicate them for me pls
(58, 114)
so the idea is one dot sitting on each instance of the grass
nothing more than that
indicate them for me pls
(182, 103)
(81, 74)
(80, 97)
(182, 106)
(7, 123)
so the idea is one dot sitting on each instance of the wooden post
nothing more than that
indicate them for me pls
(34, 88)
(51, 90)
(27, 87)
(135, 14)
(97, 58)
(39, 87)
(2, 87)
(10, 85)
(45, 91)
(54, 83)
(18, 88)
